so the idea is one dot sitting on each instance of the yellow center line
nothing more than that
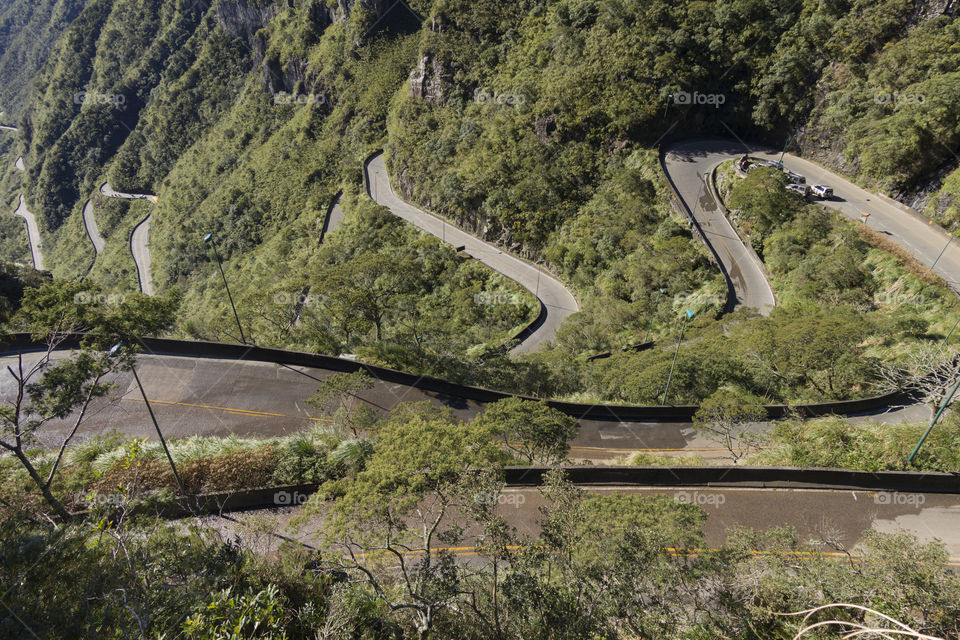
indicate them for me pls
(243, 412)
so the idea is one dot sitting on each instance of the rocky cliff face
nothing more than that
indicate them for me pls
(242, 19)
(426, 80)
(245, 18)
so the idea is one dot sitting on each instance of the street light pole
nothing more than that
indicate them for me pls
(780, 161)
(933, 422)
(942, 251)
(686, 317)
(209, 238)
(153, 418)
(942, 343)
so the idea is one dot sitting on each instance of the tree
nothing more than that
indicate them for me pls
(337, 397)
(50, 389)
(399, 517)
(932, 378)
(533, 429)
(728, 418)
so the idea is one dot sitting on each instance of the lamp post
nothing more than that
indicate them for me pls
(686, 318)
(209, 239)
(942, 251)
(923, 438)
(780, 161)
(942, 343)
(652, 314)
(163, 442)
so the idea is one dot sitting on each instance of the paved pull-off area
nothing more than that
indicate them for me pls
(558, 302)
(139, 239)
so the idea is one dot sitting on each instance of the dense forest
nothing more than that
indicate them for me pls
(537, 125)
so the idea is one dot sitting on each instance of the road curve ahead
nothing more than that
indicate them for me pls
(686, 163)
(139, 239)
(33, 232)
(557, 301)
(93, 231)
(905, 227)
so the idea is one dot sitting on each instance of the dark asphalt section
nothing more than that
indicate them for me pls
(213, 397)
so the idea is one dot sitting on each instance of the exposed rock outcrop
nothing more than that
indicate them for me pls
(426, 80)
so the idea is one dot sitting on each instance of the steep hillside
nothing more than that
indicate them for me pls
(534, 124)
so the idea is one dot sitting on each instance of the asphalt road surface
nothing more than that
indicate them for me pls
(33, 232)
(834, 521)
(93, 231)
(553, 295)
(688, 164)
(214, 397)
(139, 239)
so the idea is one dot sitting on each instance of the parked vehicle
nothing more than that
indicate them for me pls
(801, 189)
(822, 191)
(796, 177)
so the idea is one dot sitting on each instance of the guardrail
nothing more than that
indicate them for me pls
(653, 477)
(579, 410)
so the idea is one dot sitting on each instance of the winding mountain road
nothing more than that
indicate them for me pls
(687, 162)
(557, 302)
(210, 396)
(688, 166)
(139, 239)
(33, 233)
(93, 231)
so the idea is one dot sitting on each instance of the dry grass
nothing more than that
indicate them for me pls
(913, 266)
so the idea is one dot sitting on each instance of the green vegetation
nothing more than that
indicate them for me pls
(835, 442)
(594, 565)
(530, 125)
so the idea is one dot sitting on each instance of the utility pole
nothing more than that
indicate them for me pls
(686, 317)
(153, 418)
(209, 239)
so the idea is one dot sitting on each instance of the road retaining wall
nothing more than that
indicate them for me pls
(699, 478)
(582, 411)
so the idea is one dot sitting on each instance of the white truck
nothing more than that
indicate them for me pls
(822, 191)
